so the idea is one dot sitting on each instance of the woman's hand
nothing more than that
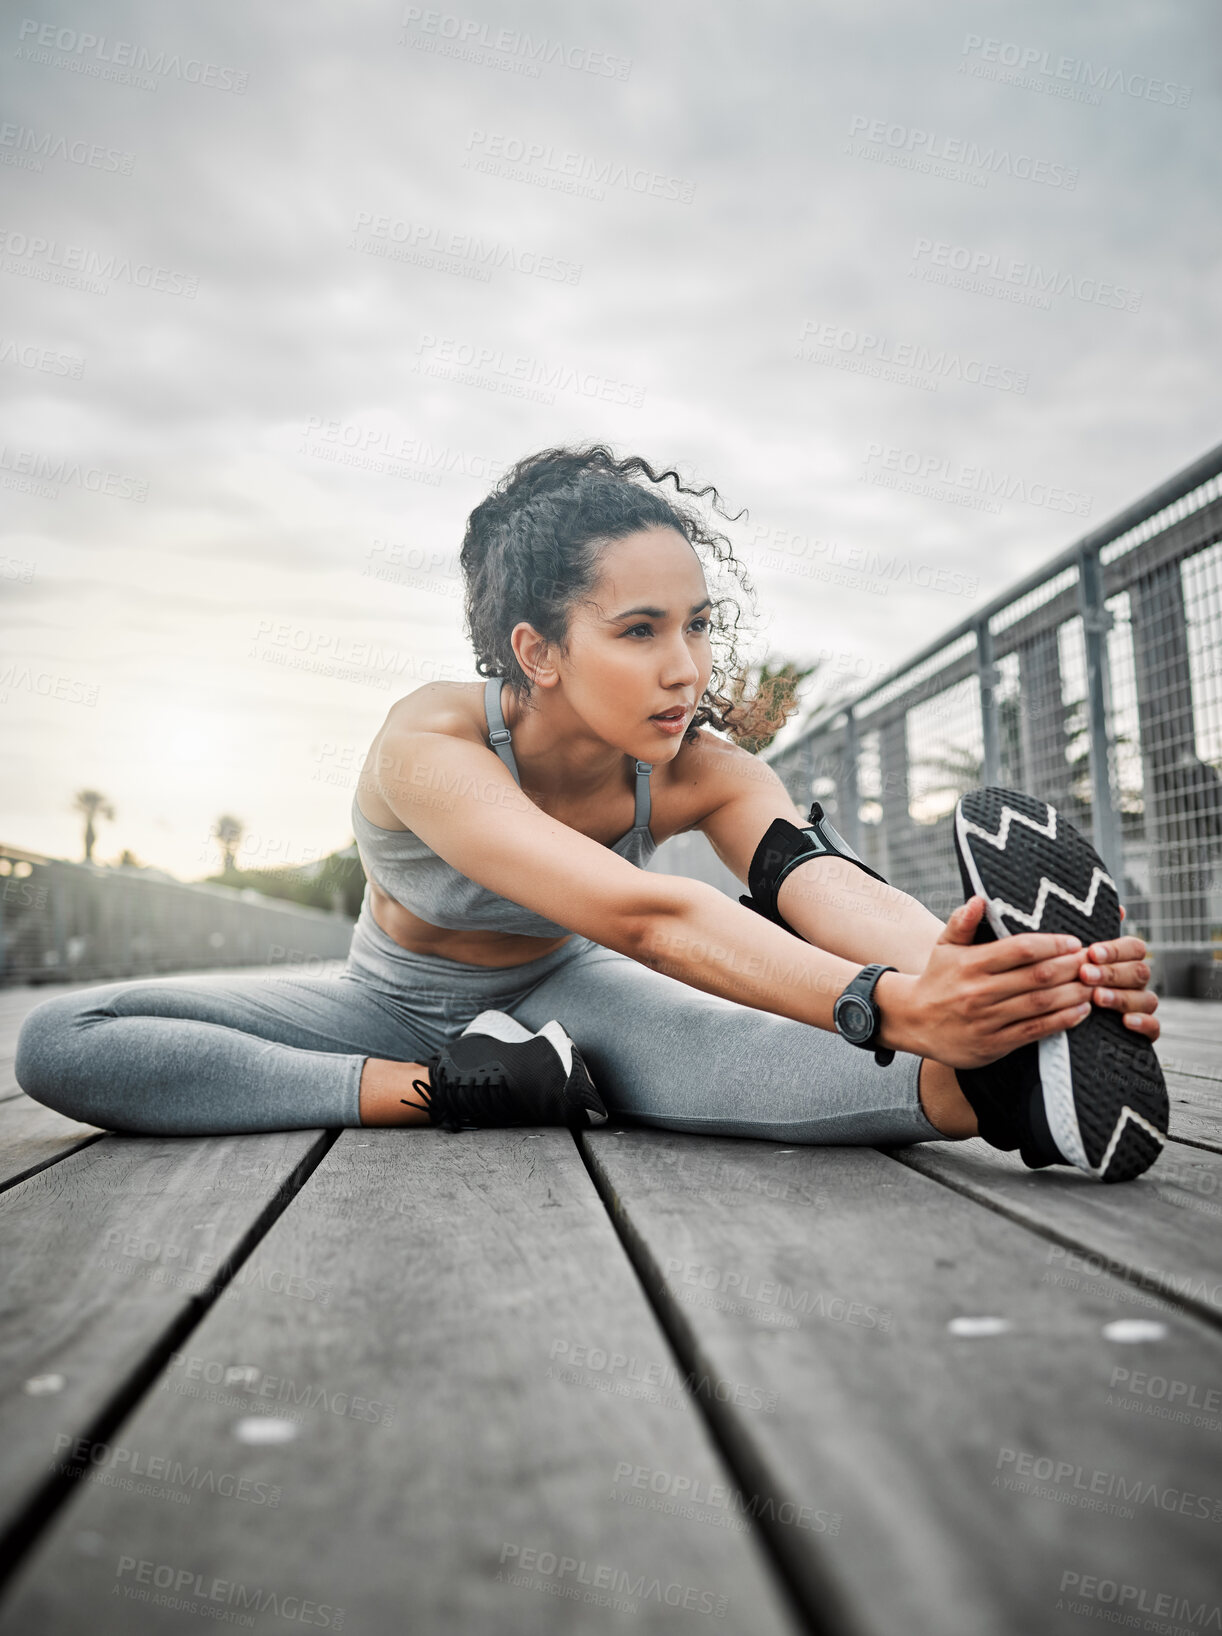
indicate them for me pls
(1117, 973)
(974, 1003)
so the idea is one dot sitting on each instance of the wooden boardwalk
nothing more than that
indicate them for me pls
(413, 1383)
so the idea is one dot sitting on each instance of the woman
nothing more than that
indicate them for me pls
(513, 963)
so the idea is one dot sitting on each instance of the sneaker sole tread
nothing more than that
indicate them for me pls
(1037, 873)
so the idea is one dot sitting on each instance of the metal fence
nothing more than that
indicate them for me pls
(1096, 684)
(62, 921)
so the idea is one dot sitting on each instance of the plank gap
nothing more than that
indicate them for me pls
(45, 1502)
(45, 1164)
(833, 1617)
(1116, 1266)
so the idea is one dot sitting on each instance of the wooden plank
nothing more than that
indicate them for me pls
(8, 1057)
(1156, 1230)
(465, 1270)
(33, 1136)
(17, 1002)
(1191, 1019)
(106, 1257)
(1191, 1040)
(1196, 1110)
(907, 1429)
(1203, 1096)
(1182, 1054)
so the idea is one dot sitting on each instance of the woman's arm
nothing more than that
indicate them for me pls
(832, 902)
(968, 1005)
(835, 905)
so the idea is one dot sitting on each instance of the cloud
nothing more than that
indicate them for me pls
(414, 266)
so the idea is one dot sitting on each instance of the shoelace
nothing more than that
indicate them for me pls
(458, 1096)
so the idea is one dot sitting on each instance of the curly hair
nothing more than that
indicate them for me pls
(531, 552)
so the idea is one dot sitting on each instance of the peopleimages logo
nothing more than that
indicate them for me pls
(1064, 74)
(373, 444)
(493, 369)
(398, 239)
(466, 38)
(62, 471)
(1027, 282)
(519, 1560)
(31, 147)
(121, 60)
(52, 262)
(115, 1465)
(928, 472)
(911, 363)
(958, 157)
(733, 1282)
(1081, 1481)
(48, 686)
(693, 1497)
(26, 355)
(500, 154)
(188, 1590)
(1168, 1399)
(1139, 1599)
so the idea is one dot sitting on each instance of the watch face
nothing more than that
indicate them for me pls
(854, 1018)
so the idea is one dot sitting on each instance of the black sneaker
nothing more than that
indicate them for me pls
(499, 1073)
(1093, 1095)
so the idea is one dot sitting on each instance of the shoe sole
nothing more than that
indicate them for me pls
(1103, 1091)
(578, 1085)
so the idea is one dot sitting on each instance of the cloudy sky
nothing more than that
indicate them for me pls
(930, 291)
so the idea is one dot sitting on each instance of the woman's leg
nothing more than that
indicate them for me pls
(671, 1055)
(213, 1055)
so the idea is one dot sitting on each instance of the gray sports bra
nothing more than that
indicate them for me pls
(413, 874)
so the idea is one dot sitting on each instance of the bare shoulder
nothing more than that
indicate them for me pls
(453, 709)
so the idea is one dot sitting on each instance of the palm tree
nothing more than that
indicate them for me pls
(960, 769)
(91, 804)
(1077, 733)
(228, 831)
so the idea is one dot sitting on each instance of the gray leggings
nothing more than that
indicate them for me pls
(216, 1054)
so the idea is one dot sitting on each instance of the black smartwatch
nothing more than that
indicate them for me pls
(856, 1014)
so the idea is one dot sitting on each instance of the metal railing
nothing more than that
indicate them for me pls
(1094, 683)
(62, 921)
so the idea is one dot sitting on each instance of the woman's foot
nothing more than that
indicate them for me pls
(498, 1073)
(1093, 1095)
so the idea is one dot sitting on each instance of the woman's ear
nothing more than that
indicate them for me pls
(534, 654)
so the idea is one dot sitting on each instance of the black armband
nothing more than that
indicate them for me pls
(783, 848)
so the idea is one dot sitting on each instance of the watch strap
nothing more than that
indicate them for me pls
(862, 986)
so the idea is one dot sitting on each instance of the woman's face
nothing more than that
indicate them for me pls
(642, 644)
